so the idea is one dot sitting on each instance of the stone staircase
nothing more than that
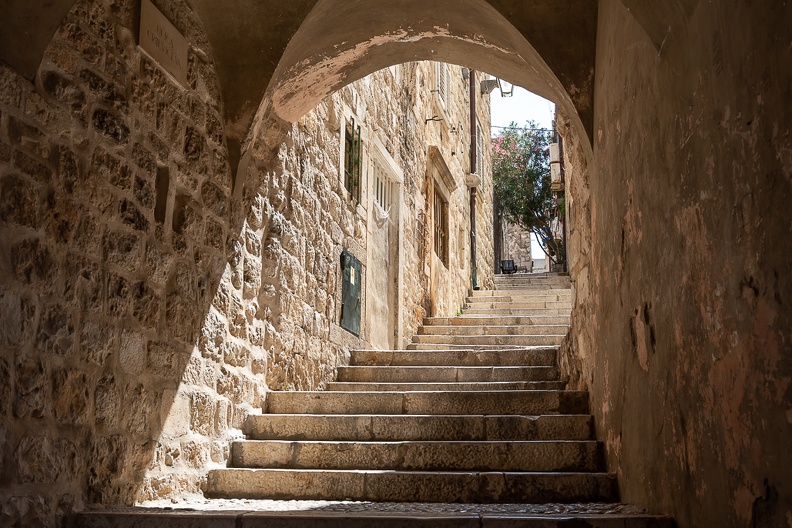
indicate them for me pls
(473, 412)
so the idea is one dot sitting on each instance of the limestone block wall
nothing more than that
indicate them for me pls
(130, 343)
(680, 258)
(146, 306)
(517, 245)
(310, 217)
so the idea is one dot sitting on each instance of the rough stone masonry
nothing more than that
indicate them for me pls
(145, 306)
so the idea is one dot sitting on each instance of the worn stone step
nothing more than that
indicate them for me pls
(517, 291)
(471, 301)
(444, 346)
(420, 427)
(501, 296)
(565, 305)
(532, 283)
(514, 311)
(496, 320)
(414, 486)
(499, 340)
(411, 455)
(534, 329)
(445, 402)
(534, 356)
(514, 278)
(470, 386)
(368, 427)
(513, 291)
(423, 374)
(306, 515)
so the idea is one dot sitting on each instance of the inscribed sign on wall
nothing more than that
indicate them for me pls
(160, 39)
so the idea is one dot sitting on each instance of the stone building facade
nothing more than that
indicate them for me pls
(516, 245)
(147, 304)
(406, 273)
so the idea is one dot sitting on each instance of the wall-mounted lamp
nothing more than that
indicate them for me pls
(488, 85)
(465, 73)
(506, 89)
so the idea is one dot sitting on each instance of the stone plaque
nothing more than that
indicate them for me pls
(160, 39)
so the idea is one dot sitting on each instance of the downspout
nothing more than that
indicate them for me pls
(473, 154)
(563, 181)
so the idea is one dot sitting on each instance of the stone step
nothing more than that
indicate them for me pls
(534, 329)
(446, 402)
(558, 305)
(508, 279)
(486, 294)
(525, 455)
(309, 514)
(368, 427)
(426, 347)
(532, 283)
(499, 340)
(518, 298)
(469, 320)
(470, 386)
(423, 374)
(512, 311)
(416, 486)
(459, 357)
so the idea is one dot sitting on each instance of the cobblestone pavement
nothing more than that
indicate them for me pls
(201, 504)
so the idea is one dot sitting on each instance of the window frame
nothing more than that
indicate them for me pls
(440, 221)
(443, 84)
(353, 159)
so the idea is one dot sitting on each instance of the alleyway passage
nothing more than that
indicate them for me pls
(474, 412)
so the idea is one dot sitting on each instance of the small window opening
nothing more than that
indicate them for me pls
(441, 227)
(352, 159)
(382, 189)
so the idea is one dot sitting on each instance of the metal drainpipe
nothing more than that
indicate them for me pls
(473, 153)
(563, 181)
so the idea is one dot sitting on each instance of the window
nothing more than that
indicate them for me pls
(352, 159)
(440, 227)
(382, 188)
(443, 83)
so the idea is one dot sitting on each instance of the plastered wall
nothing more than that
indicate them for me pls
(680, 257)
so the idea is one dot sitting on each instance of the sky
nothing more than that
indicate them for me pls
(521, 107)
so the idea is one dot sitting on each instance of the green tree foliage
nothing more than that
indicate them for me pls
(521, 174)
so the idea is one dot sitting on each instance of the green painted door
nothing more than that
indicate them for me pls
(350, 293)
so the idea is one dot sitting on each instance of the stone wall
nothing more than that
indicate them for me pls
(680, 258)
(517, 245)
(309, 217)
(147, 305)
(128, 342)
